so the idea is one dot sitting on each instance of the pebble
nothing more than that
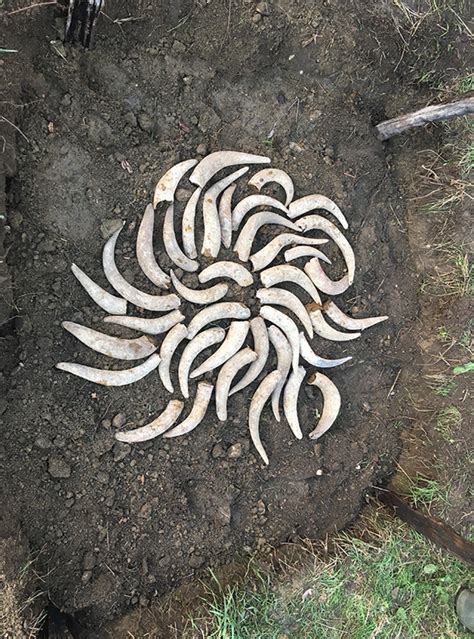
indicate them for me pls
(15, 219)
(88, 561)
(196, 561)
(119, 420)
(319, 472)
(201, 149)
(317, 450)
(178, 48)
(217, 451)
(182, 195)
(58, 467)
(235, 451)
(43, 442)
(109, 226)
(145, 122)
(130, 119)
(256, 17)
(121, 450)
(262, 8)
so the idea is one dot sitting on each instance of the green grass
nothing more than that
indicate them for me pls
(391, 584)
(454, 276)
(422, 491)
(466, 84)
(449, 419)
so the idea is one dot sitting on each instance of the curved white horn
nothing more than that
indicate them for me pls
(228, 270)
(284, 356)
(316, 201)
(215, 162)
(250, 202)
(290, 400)
(226, 376)
(257, 403)
(331, 404)
(310, 356)
(211, 244)
(202, 296)
(153, 326)
(197, 344)
(198, 411)
(159, 425)
(267, 254)
(281, 297)
(219, 311)
(244, 242)
(188, 224)
(145, 253)
(274, 175)
(350, 323)
(116, 347)
(166, 187)
(229, 347)
(168, 348)
(126, 290)
(111, 378)
(288, 327)
(110, 303)
(261, 346)
(172, 248)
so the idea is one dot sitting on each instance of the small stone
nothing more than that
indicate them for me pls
(235, 451)
(145, 122)
(296, 148)
(121, 450)
(143, 601)
(261, 507)
(183, 195)
(15, 219)
(69, 502)
(58, 467)
(256, 18)
(201, 149)
(319, 472)
(366, 406)
(119, 420)
(88, 561)
(109, 226)
(86, 576)
(317, 450)
(178, 48)
(59, 441)
(196, 561)
(43, 442)
(262, 8)
(130, 119)
(66, 100)
(217, 451)
(47, 246)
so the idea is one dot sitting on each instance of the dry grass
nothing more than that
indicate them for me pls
(19, 617)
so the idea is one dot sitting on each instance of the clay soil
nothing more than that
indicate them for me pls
(118, 525)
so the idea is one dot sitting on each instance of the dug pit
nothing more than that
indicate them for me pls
(117, 523)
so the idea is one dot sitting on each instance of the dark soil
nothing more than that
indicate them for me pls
(118, 525)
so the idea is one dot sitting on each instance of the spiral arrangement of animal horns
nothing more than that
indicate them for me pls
(217, 317)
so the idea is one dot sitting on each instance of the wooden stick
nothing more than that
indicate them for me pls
(395, 126)
(434, 529)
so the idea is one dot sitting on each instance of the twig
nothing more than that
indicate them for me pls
(394, 383)
(388, 128)
(2, 117)
(32, 6)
